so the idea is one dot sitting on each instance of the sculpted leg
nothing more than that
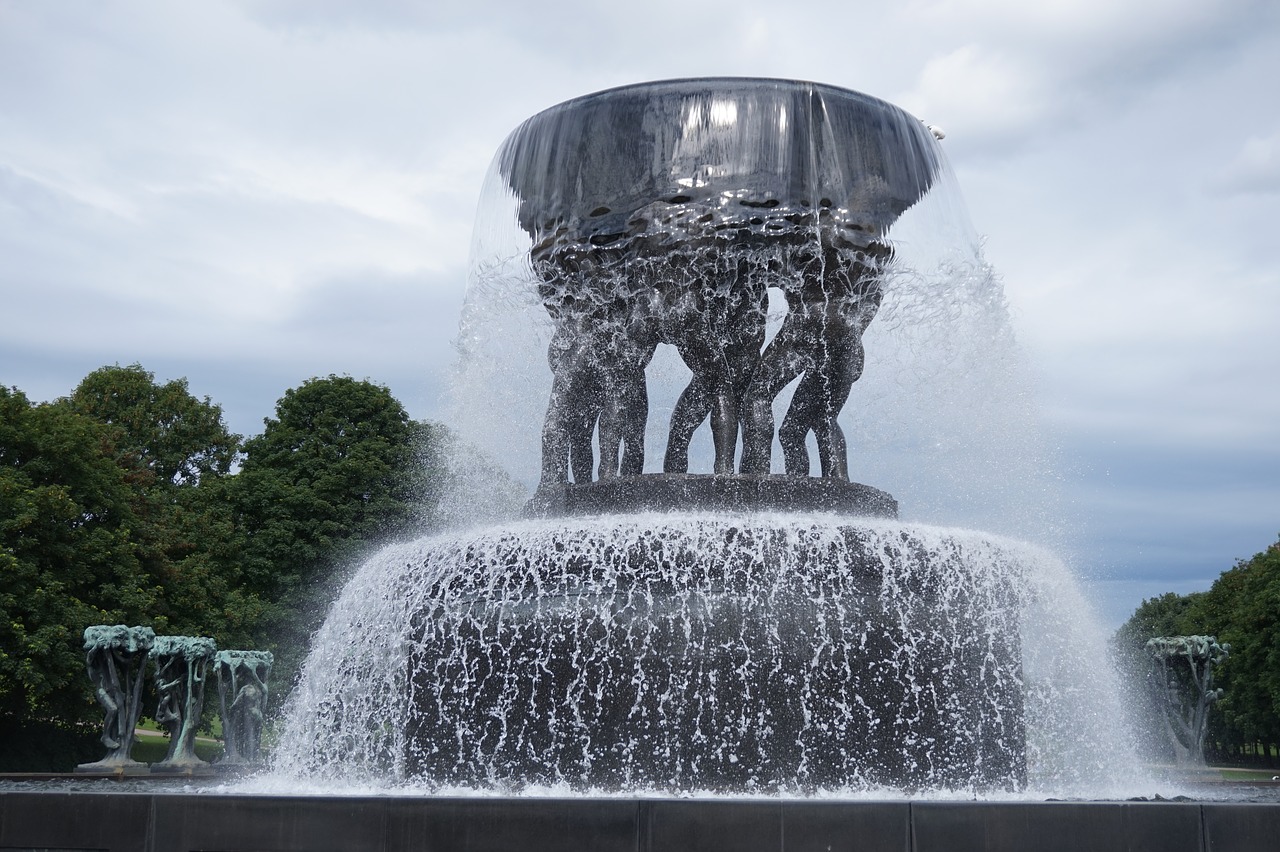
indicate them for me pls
(782, 361)
(805, 409)
(642, 342)
(581, 425)
(555, 436)
(636, 404)
(571, 417)
(724, 430)
(757, 432)
(631, 341)
(615, 426)
(711, 371)
(691, 409)
(856, 296)
(833, 452)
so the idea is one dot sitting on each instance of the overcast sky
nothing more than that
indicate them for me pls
(247, 194)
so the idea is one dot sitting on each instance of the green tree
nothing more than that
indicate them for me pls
(1169, 614)
(162, 428)
(340, 468)
(67, 558)
(178, 454)
(1243, 609)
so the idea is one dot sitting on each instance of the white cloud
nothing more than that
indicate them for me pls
(1018, 71)
(1255, 169)
(975, 90)
(1071, 19)
(252, 193)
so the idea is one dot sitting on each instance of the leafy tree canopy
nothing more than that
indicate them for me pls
(1241, 609)
(177, 452)
(121, 503)
(340, 467)
(1169, 614)
(162, 428)
(67, 559)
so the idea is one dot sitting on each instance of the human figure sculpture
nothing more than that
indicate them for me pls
(611, 308)
(820, 395)
(604, 338)
(242, 694)
(577, 397)
(717, 323)
(663, 213)
(116, 659)
(626, 352)
(181, 662)
(831, 300)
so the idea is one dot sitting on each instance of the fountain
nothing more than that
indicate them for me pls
(737, 631)
(757, 654)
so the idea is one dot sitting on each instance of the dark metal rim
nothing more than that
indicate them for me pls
(728, 82)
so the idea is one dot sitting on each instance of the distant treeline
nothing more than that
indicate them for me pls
(129, 502)
(1242, 609)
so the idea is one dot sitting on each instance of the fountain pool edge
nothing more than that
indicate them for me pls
(165, 822)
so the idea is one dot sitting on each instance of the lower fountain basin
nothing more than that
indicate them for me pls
(675, 653)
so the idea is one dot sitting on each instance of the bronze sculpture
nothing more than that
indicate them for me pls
(181, 663)
(242, 694)
(663, 213)
(116, 658)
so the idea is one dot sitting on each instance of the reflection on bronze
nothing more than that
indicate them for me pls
(664, 213)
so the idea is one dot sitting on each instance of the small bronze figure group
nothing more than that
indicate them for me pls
(116, 658)
(664, 213)
(612, 304)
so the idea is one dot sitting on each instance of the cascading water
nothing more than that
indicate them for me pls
(661, 242)
(677, 652)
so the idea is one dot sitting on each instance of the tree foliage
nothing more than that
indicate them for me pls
(67, 555)
(177, 453)
(1241, 609)
(1169, 614)
(339, 468)
(122, 503)
(159, 428)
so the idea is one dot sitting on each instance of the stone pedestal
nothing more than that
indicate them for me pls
(711, 493)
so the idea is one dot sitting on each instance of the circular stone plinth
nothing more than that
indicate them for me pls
(689, 652)
(663, 492)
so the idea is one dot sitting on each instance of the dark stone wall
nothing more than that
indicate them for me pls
(160, 822)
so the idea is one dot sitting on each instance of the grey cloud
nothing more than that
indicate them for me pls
(1061, 75)
(253, 194)
(1182, 514)
(395, 330)
(1255, 169)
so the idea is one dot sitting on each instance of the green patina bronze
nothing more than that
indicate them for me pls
(116, 659)
(181, 663)
(242, 692)
(1184, 681)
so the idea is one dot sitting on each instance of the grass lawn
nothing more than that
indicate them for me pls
(1249, 774)
(151, 745)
